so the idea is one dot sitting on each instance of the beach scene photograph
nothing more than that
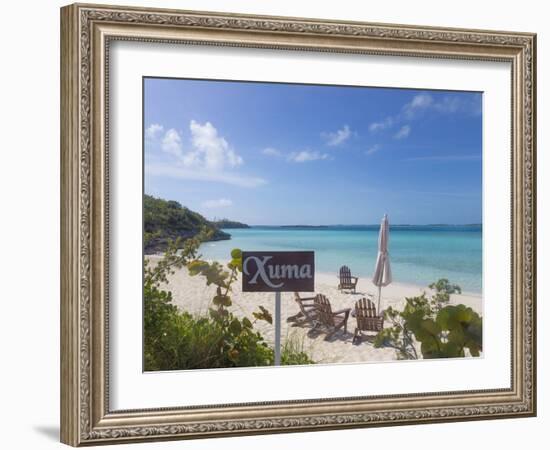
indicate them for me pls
(294, 224)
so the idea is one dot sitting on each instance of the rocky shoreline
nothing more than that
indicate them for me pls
(160, 244)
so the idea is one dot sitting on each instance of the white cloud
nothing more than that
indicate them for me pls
(462, 105)
(171, 143)
(424, 102)
(153, 131)
(403, 132)
(419, 101)
(184, 173)
(449, 104)
(372, 149)
(338, 137)
(306, 155)
(270, 151)
(207, 157)
(211, 150)
(382, 125)
(297, 157)
(409, 111)
(218, 203)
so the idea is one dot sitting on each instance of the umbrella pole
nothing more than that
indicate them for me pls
(379, 295)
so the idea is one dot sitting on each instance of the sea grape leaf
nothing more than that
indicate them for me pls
(197, 267)
(222, 300)
(264, 314)
(430, 327)
(235, 326)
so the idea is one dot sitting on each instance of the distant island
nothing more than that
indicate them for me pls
(454, 225)
(374, 226)
(229, 224)
(166, 220)
(304, 226)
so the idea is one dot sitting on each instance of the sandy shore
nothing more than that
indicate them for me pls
(191, 294)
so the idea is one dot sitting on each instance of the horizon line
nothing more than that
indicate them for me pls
(369, 225)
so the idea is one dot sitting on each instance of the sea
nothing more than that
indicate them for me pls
(419, 255)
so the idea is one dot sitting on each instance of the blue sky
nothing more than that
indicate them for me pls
(274, 154)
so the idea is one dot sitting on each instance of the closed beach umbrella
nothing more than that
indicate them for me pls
(382, 269)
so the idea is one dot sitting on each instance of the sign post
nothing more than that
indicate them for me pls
(278, 328)
(278, 272)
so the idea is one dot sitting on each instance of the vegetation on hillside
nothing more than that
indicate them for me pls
(167, 220)
(229, 224)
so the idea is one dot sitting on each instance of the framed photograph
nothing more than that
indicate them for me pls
(277, 224)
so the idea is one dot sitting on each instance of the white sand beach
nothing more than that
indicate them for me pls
(191, 294)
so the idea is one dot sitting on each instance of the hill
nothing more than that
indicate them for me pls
(226, 223)
(165, 220)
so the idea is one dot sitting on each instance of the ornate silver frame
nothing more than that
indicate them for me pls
(86, 31)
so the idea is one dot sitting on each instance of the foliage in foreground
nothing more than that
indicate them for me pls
(175, 340)
(443, 331)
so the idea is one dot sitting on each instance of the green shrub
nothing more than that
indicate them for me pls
(177, 340)
(443, 331)
(294, 353)
(189, 342)
(158, 316)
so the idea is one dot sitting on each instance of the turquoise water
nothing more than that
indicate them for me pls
(418, 254)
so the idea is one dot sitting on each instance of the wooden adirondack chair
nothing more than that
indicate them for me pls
(333, 320)
(308, 311)
(346, 280)
(367, 319)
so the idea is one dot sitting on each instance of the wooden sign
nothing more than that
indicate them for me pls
(278, 271)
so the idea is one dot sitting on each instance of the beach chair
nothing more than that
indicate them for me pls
(346, 280)
(333, 320)
(367, 319)
(308, 311)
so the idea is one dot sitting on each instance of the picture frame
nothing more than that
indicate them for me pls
(87, 33)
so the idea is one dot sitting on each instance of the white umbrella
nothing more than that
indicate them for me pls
(382, 269)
